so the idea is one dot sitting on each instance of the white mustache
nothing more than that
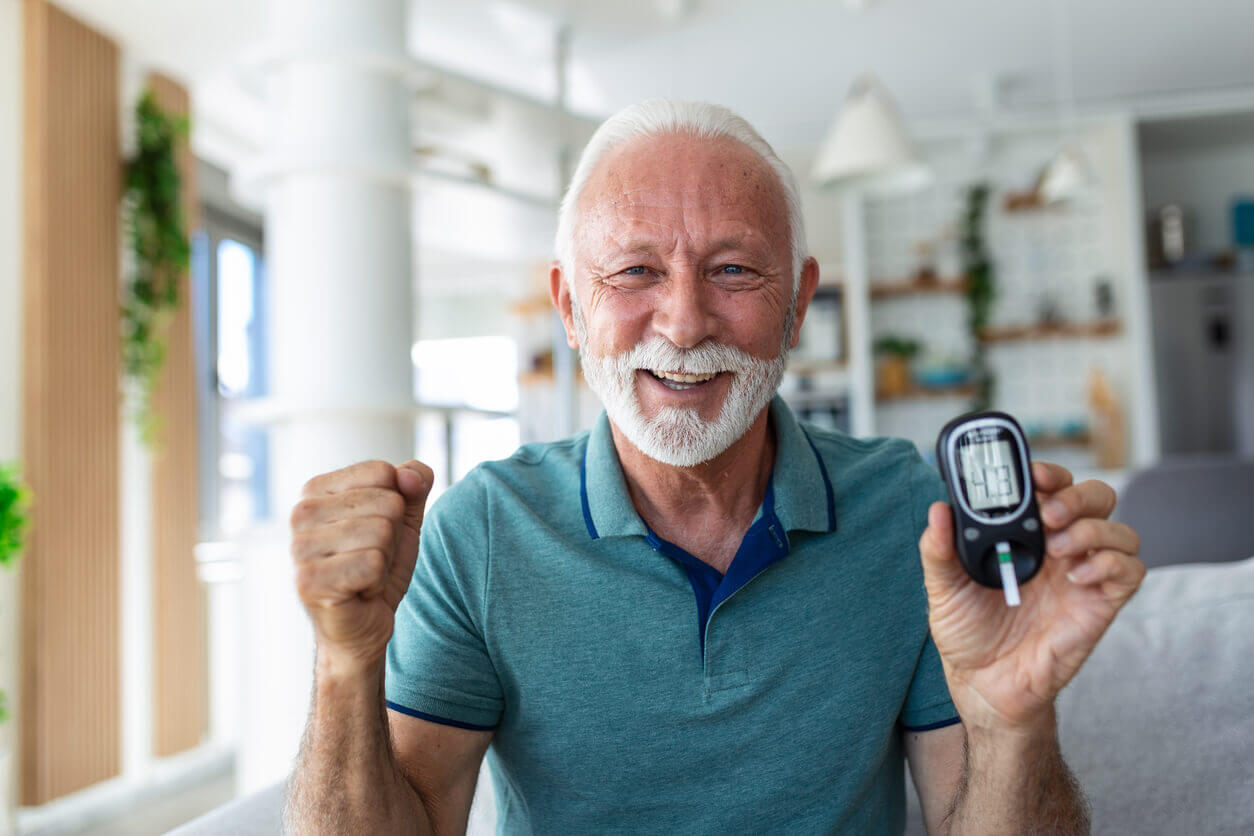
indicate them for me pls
(660, 354)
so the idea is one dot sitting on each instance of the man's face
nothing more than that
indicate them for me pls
(685, 296)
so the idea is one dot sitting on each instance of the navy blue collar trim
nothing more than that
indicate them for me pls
(827, 483)
(764, 544)
(583, 494)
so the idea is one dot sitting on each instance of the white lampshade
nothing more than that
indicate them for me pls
(867, 148)
(1066, 176)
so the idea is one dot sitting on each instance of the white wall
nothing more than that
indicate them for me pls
(10, 342)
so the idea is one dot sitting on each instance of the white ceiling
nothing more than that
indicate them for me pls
(784, 64)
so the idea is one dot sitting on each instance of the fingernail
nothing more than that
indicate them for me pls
(1056, 511)
(1058, 542)
(1083, 573)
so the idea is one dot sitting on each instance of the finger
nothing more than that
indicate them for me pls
(414, 479)
(344, 536)
(1086, 535)
(1123, 573)
(344, 576)
(936, 547)
(1049, 477)
(315, 511)
(1087, 499)
(372, 474)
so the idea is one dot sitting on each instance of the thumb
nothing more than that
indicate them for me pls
(942, 570)
(414, 479)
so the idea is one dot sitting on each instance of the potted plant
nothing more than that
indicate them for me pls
(893, 369)
(13, 520)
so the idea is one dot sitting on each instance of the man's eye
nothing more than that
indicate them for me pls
(733, 269)
(638, 270)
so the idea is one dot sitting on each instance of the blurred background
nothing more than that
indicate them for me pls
(1044, 207)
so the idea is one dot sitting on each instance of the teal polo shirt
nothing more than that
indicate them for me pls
(634, 689)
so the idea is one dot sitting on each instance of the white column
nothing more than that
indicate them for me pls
(857, 301)
(339, 303)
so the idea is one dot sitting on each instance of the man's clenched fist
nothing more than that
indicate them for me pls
(355, 540)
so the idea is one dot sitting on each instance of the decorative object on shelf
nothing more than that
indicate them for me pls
(1104, 296)
(14, 504)
(981, 289)
(1048, 310)
(1109, 449)
(1168, 236)
(941, 375)
(157, 236)
(893, 370)
(867, 148)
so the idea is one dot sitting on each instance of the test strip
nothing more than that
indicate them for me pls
(1009, 583)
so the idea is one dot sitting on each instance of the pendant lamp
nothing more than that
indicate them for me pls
(867, 148)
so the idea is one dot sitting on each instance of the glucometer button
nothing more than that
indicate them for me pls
(971, 534)
(1030, 524)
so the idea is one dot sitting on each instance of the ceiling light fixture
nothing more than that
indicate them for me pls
(867, 148)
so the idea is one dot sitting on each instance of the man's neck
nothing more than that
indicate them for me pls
(727, 489)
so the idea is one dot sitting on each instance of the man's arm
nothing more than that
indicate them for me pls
(995, 784)
(366, 769)
(355, 536)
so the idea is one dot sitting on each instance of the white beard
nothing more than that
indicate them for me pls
(678, 436)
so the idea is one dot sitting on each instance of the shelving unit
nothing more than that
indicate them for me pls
(1048, 264)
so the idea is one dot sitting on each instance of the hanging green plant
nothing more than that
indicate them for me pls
(156, 234)
(981, 289)
(14, 502)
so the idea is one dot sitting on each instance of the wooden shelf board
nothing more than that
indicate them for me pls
(1062, 330)
(799, 366)
(964, 390)
(881, 289)
(1047, 442)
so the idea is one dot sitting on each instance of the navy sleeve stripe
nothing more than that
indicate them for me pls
(434, 719)
(930, 726)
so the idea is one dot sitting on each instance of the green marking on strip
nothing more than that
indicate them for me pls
(1003, 553)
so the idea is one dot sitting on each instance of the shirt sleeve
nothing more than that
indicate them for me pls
(928, 705)
(438, 665)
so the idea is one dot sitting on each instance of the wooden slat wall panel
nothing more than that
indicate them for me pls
(70, 707)
(180, 663)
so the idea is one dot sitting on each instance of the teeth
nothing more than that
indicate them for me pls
(683, 378)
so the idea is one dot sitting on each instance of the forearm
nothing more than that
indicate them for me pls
(1017, 783)
(346, 779)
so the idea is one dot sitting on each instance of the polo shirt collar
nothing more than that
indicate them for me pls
(804, 498)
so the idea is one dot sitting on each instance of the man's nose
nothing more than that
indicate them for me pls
(684, 315)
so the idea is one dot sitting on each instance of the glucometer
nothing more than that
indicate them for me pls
(983, 458)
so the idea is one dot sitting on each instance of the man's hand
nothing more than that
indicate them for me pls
(355, 541)
(1005, 665)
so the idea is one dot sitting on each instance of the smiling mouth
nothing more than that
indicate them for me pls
(678, 382)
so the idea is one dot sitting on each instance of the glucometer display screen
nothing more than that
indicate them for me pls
(990, 472)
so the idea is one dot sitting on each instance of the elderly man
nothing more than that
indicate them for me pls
(701, 616)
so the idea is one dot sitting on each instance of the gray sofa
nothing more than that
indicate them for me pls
(1157, 725)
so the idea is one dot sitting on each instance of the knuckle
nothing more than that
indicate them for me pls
(377, 472)
(306, 581)
(302, 545)
(374, 563)
(393, 505)
(379, 529)
(303, 512)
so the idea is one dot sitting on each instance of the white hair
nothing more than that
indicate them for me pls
(656, 117)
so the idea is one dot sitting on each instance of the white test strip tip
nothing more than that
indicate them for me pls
(1009, 583)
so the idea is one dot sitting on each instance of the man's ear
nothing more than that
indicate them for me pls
(559, 292)
(805, 292)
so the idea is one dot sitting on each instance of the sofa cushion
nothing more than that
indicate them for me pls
(1156, 725)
